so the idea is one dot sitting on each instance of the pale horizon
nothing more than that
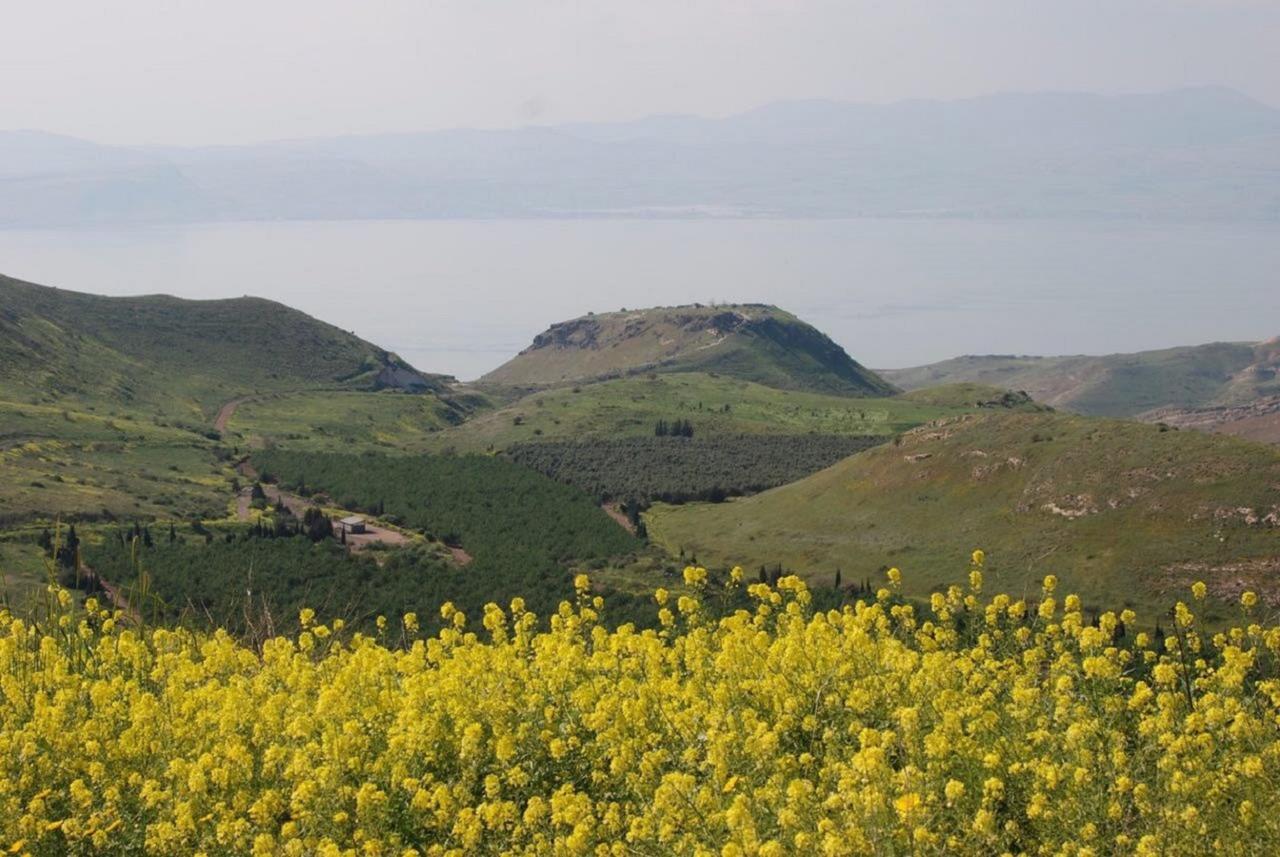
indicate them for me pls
(150, 72)
(659, 115)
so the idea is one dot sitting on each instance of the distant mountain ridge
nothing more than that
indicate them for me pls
(178, 355)
(1201, 153)
(1119, 385)
(752, 342)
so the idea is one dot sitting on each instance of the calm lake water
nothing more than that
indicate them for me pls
(462, 296)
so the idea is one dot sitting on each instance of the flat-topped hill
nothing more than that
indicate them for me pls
(753, 342)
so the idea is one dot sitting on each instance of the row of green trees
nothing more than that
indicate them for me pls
(675, 428)
(643, 469)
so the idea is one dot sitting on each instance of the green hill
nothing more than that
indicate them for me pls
(752, 342)
(1118, 385)
(108, 405)
(162, 354)
(1123, 512)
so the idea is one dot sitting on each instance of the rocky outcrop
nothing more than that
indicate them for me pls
(578, 333)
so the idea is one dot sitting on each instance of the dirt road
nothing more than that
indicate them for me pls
(226, 412)
(373, 533)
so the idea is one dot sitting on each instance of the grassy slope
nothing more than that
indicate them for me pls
(987, 481)
(160, 354)
(629, 407)
(1116, 385)
(748, 341)
(341, 421)
(56, 461)
(105, 403)
(23, 573)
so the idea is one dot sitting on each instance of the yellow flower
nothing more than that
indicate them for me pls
(1199, 590)
(771, 726)
(907, 804)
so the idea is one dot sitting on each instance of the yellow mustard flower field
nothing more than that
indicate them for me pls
(981, 725)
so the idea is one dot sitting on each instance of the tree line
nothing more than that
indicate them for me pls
(675, 428)
(639, 470)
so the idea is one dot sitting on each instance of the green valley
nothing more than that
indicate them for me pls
(114, 411)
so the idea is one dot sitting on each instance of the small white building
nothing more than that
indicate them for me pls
(353, 525)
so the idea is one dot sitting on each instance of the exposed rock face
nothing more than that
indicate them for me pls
(1256, 420)
(578, 333)
(399, 378)
(586, 332)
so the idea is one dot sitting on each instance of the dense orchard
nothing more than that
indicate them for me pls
(679, 469)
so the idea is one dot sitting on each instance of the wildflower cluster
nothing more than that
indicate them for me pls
(975, 726)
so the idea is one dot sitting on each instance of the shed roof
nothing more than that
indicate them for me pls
(354, 519)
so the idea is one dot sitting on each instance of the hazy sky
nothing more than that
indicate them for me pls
(223, 71)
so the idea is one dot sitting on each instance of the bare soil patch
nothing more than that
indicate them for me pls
(226, 412)
(1226, 581)
(612, 510)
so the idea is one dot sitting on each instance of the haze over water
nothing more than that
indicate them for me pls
(461, 297)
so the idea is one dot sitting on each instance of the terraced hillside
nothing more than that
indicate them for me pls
(751, 342)
(1119, 385)
(1125, 513)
